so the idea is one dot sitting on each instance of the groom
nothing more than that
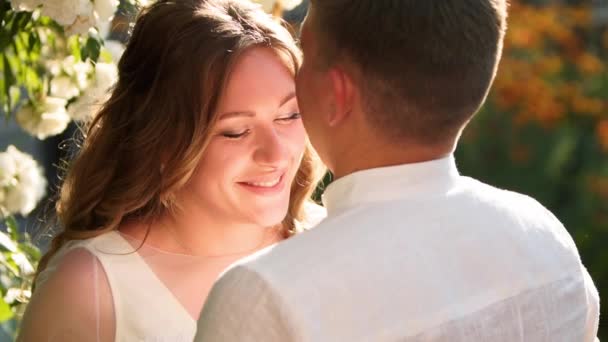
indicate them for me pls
(410, 250)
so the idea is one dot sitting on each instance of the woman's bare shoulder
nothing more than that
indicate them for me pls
(71, 302)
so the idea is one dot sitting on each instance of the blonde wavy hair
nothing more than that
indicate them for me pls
(170, 77)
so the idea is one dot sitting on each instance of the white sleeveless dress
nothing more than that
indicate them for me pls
(144, 308)
(148, 289)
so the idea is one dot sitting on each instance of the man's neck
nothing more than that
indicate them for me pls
(370, 156)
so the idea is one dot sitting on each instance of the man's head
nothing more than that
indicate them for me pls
(416, 70)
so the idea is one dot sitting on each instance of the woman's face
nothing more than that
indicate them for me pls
(255, 150)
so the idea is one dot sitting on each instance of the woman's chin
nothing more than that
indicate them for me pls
(269, 218)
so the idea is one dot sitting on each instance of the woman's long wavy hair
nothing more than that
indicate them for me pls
(170, 78)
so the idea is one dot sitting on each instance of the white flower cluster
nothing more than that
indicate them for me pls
(22, 183)
(48, 116)
(288, 5)
(96, 93)
(76, 16)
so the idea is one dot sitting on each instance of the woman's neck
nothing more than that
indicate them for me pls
(203, 236)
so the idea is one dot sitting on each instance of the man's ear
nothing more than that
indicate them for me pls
(343, 90)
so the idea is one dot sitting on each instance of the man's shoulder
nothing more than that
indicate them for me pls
(473, 207)
(503, 200)
(515, 214)
(295, 257)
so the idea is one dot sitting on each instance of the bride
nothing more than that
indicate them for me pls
(198, 158)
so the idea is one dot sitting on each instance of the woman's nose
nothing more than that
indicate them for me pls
(271, 149)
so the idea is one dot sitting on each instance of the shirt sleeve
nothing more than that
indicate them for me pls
(593, 312)
(72, 303)
(243, 306)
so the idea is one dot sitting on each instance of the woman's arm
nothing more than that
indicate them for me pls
(74, 303)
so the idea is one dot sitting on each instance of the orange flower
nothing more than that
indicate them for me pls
(580, 15)
(547, 111)
(602, 133)
(520, 154)
(598, 185)
(550, 65)
(566, 37)
(584, 105)
(521, 37)
(590, 64)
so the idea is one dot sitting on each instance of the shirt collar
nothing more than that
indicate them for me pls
(390, 183)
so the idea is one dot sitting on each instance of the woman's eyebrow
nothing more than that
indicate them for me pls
(229, 115)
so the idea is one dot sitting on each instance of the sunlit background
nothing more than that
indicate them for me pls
(542, 132)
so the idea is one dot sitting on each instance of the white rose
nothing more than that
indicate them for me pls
(84, 107)
(106, 74)
(17, 294)
(105, 9)
(25, 5)
(19, 200)
(64, 12)
(27, 118)
(91, 99)
(28, 175)
(28, 172)
(6, 242)
(267, 5)
(290, 4)
(115, 48)
(23, 161)
(81, 26)
(52, 118)
(24, 264)
(7, 169)
(28, 187)
(84, 21)
(80, 71)
(64, 87)
(53, 66)
(104, 28)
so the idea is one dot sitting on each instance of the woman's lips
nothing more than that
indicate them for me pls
(268, 186)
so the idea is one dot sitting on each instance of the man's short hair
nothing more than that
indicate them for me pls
(424, 66)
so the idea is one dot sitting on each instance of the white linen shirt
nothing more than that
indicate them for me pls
(413, 252)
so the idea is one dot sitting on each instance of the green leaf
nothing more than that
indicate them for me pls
(5, 311)
(25, 19)
(12, 228)
(3, 90)
(92, 48)
(15, 24)
(31, 251)
(32, 42)
(7, 243)
(32, 81)
(74, 47)
(84, 54)
(5, 40)
(4, 7)
(9, 79)
(15, 95)
(9, 265)
(105, 56)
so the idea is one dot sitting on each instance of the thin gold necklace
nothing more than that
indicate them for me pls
(274, 232)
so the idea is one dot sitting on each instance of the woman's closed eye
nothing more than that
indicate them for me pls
(235, 134)
(289, 118)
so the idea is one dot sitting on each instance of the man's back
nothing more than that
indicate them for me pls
(415, 253)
